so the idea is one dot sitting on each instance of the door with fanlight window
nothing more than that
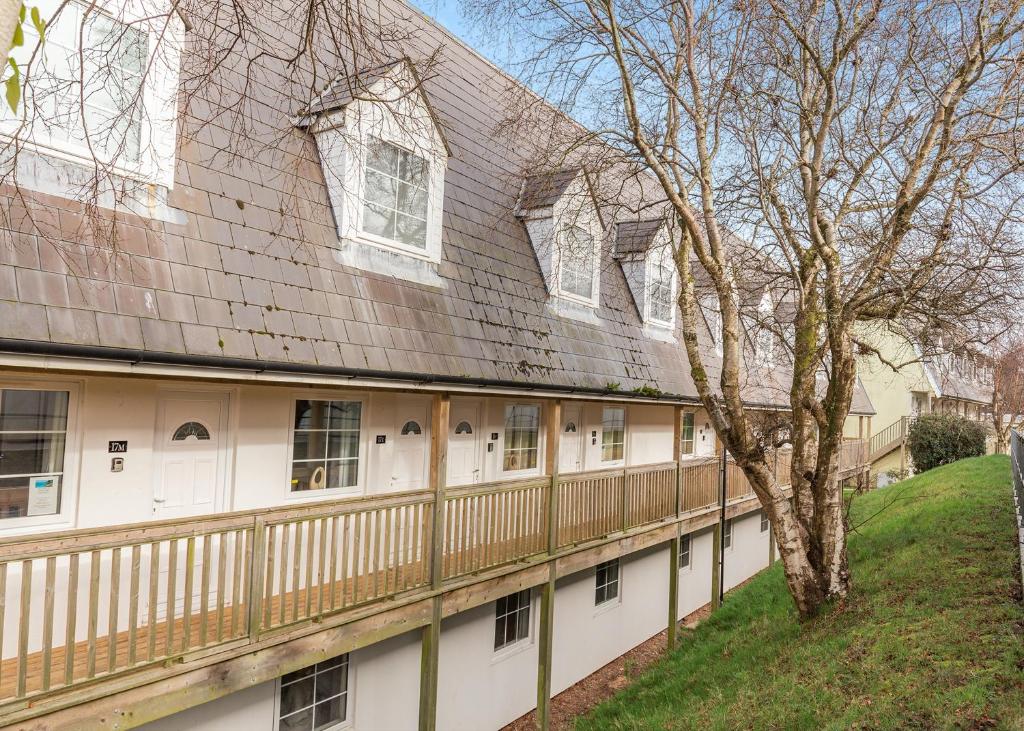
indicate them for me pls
(409, 456)
(191, 455)
(464, 442)
(570, 453)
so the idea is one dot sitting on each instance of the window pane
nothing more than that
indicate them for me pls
(381, 156)
(329, 712)
(33, 410)
(343, 445)
(345, 414)
(413, 169)
(296, 696)
(379, 221)
(381, 189)
(342, 474)
(28, 454)
(301, 721)
(311, 414)
(411, 231)
(412, 200)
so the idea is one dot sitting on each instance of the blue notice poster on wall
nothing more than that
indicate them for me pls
(43, 495)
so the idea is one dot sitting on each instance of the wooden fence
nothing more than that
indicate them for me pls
(84, 604)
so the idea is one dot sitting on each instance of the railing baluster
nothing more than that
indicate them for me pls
(25, 618)
(72, 615)
(113, 606)
(204, 589)
(133, 603)
(48, 601)
(94, 610)
(154, 589)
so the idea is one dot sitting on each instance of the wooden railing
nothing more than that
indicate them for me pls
(81, 605)
(852, 455)
(884, 441)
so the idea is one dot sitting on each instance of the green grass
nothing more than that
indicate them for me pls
(931, 636)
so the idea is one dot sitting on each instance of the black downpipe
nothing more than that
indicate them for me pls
(721, 528)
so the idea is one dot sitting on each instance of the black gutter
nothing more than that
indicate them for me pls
(721, 527)
(145, 357)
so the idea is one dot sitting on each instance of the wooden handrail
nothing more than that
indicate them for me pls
(137, 595)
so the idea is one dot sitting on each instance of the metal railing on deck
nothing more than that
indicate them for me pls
(85, 604)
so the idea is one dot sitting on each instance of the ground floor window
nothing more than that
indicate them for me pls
(727, 534)
(765, 524)
(512, 619)
(33, 433)
(522, 437)
(686, 433)
(684, 551)
(314, 698)
(613, 434)
(607, 583)
(325, 450)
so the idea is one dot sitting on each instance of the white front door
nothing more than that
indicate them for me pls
(464, 444)
(570, 454)
(190, 445)
(409, 456)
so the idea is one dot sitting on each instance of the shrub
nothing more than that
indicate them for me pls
(938, 439)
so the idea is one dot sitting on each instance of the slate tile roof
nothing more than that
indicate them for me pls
(251, 271)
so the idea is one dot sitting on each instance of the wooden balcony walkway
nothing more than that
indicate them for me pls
(83, 606)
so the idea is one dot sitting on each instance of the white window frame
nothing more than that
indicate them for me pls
(70, 478)
(349, 697)
(686, 541)
(766, 524)
(157, 140)
(595, 269)
(535, 470)
(332, 492)
(692, 415)
(342, 137)
(727, 534)
(608, 602)
(655, 262)
(625, 437)
(520, 644)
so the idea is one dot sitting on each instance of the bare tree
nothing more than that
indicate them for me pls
(1007, 392)
(867, 150)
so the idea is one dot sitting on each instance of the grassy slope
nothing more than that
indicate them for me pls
(932, 635)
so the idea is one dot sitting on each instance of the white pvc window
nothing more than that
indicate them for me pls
(325, 449)
(684, 551)
(33, 433)
(522, 437)
(512, 619)
(396, 185)
(727, 534)
(314, 698)
(576, 275)
(613, 434)
(85, 91)
(606, 584)
(659, 292)
(687, 433)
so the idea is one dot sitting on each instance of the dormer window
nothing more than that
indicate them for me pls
(661, 302)
(384, 158)
(647, 255)
(101, 89)
(564, 224)
(395, 194)
(576, 274)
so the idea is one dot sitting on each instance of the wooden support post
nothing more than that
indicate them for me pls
(673, 591)
(552, 448)
(716, 567)
(431, 639)
(673, 545)
(544, 655)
